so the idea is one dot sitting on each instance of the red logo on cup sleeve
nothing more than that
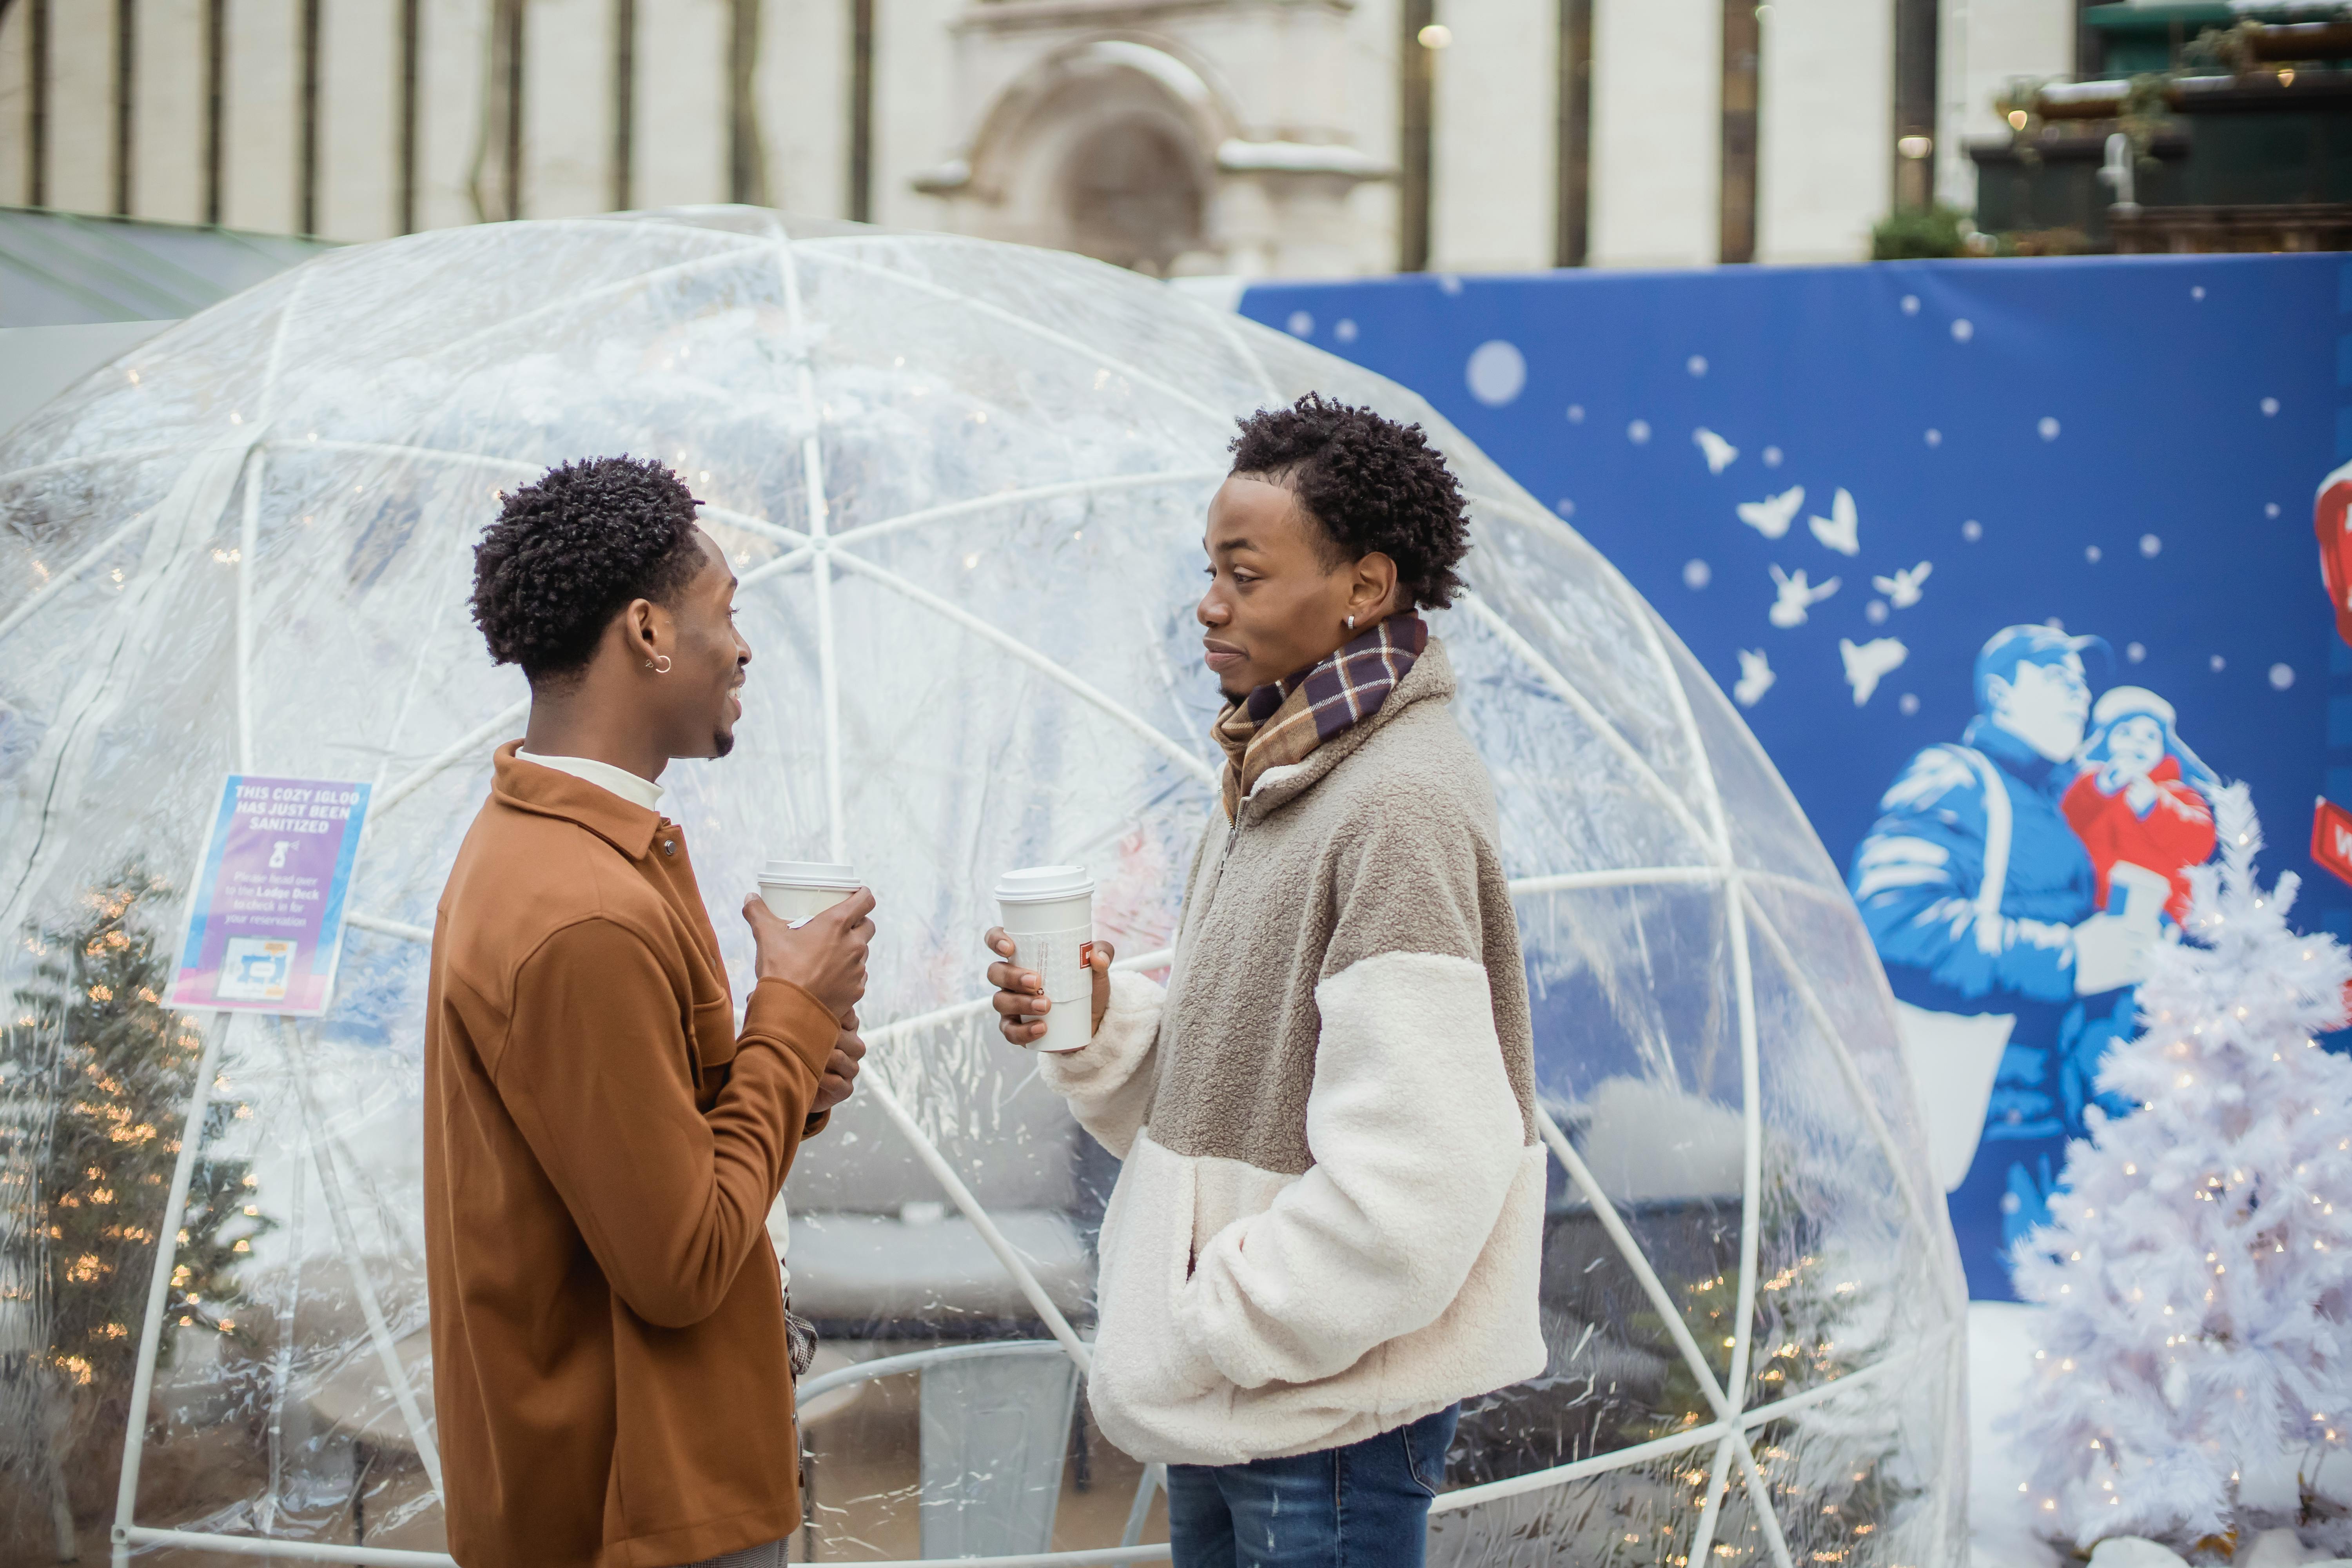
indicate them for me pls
(1087, 951)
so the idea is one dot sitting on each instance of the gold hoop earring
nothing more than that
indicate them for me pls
(658, 664)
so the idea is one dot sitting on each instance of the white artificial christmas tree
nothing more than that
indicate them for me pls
(2197, 1269)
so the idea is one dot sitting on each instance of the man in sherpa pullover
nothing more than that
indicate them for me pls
(1327, 1229)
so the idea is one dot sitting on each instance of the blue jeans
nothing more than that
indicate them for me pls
(1363, 1506)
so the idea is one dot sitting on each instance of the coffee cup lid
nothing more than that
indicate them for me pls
(810, 874)
(1044, 884)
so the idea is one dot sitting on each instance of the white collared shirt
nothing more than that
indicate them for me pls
(603, 775)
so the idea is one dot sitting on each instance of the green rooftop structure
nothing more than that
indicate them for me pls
(2215, 127)
(2137, 36)
(60, 270)
(76, 292)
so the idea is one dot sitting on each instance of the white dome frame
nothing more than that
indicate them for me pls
(210, 480)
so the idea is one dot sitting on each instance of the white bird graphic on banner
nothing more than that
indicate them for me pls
(1870, 662)
(1796, 597)
(1720, 453)
(1842, 530)
(1902, 590)
(1756, 677)
(1771, 516)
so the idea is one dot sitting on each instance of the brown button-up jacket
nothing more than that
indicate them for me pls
(600, 1150)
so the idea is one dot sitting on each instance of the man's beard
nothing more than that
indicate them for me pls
(721, 742)
(1232, 697)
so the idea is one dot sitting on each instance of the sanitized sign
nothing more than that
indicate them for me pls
(265, 921)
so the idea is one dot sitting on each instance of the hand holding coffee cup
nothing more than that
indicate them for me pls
(824, 955)
(1021, 999)
(1049, 919)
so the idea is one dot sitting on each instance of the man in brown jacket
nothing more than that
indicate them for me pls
(602, 1145)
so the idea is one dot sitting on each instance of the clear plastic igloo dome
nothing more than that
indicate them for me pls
(962, 485)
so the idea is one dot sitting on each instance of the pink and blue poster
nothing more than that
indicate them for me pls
(266, 918)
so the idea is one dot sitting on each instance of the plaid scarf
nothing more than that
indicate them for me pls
(1278, 725)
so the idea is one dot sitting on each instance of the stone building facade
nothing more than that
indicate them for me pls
(1249, 137)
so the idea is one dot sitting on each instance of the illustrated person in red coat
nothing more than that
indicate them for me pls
(2140, 803)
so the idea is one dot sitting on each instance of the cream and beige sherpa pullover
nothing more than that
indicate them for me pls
(1329, 1218)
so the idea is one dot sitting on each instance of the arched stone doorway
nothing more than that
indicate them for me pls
(1131, 195)
(1132, 149)
(1108, 148)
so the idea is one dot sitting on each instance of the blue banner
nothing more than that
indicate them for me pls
(2006, 563)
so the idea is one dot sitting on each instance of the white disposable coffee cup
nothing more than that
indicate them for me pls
(795, 890)
(1049, 913)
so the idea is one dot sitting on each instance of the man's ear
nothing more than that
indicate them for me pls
(642, 627)
(1997, 692)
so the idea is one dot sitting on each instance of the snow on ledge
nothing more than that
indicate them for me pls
(1237, 156)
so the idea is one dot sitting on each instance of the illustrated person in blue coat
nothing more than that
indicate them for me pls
(1980, 900)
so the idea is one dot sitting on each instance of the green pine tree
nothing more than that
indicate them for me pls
(96, 1071)
(1805, 1324)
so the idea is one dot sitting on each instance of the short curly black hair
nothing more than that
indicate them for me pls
(566, 554)
(1373, 483)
